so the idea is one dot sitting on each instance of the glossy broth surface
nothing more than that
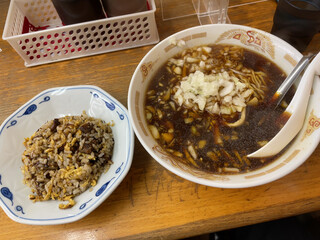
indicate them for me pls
(204, 140)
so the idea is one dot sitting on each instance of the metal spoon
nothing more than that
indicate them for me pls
(297, 109)
(287, 83)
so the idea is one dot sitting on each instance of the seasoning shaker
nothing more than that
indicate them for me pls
(77, 11)
(122, 7)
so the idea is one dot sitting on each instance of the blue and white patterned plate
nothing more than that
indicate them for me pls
(50, 104)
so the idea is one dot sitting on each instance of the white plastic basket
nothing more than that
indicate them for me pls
(59, 42)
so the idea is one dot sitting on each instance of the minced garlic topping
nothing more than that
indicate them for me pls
(216, 93)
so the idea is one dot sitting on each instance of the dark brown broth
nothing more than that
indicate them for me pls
(248, 135)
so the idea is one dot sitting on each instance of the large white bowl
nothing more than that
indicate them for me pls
(275, 49)
(50, 104)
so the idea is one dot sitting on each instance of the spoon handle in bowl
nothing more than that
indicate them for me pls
(297, 108)
(287, 83)
(301, 96)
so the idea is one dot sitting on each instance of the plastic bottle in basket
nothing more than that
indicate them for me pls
(122, 7)
(77, 11)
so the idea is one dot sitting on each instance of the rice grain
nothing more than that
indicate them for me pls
(66, 156)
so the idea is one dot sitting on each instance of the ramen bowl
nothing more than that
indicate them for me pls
(263, 43)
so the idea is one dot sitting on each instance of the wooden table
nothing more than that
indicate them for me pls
(152, 202)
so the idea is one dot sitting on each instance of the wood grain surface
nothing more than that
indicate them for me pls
(152, 203)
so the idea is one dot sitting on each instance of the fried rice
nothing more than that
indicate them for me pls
(66, 156)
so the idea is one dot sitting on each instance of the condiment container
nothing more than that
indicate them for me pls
(77, 11)
(122, 7)
(53, 42)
